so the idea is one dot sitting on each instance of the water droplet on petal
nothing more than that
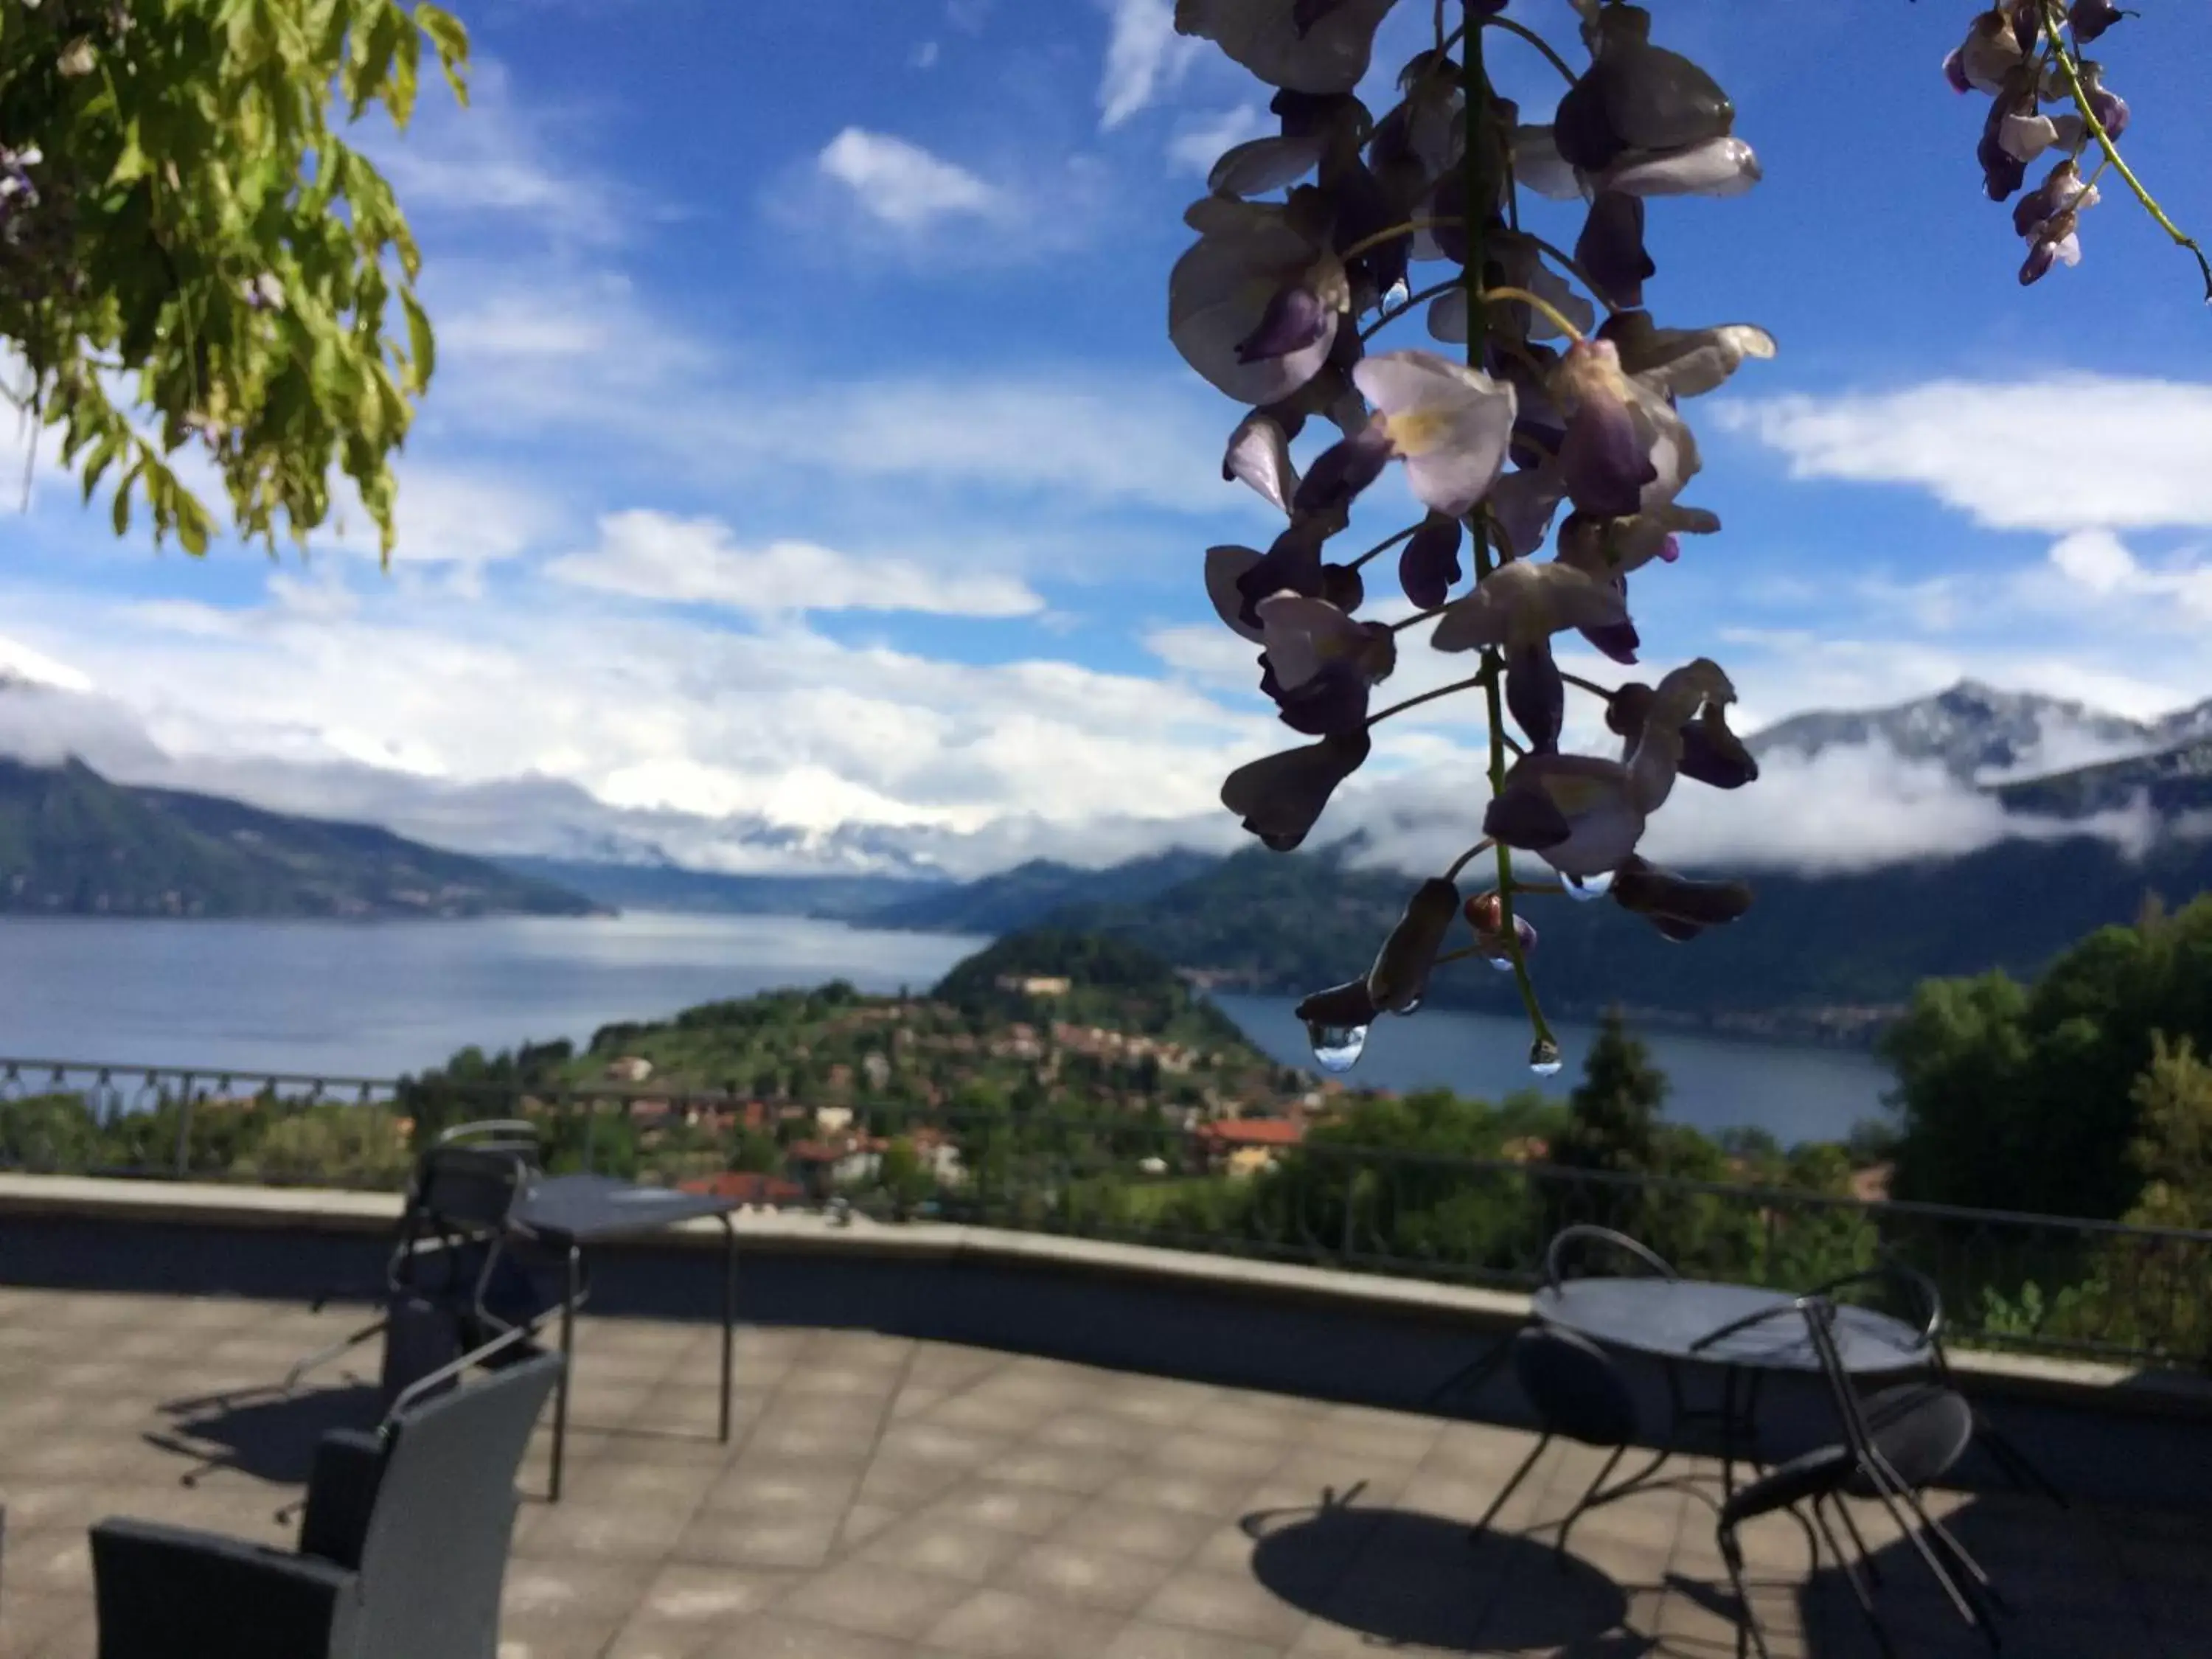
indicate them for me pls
(1586, 887)
(1336, 1048)
(1544, 1057)
(1412, 1007)
(1504, 965)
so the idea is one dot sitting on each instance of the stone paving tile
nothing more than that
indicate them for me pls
(883, 1498)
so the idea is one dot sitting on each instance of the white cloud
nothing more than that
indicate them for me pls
(21, 663)
(654, 556)
(1199, 145)
(900, 183)
(1145, 57)
(492, 158)
(925, 56)
(446, 516)
(2098, 566)
(2064, 454)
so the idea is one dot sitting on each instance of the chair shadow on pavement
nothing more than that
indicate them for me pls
(1405, 1579)
(263, 1433)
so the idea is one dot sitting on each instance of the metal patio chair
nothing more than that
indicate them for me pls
(403, 1547)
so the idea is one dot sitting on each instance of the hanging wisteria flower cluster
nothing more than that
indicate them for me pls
(1550, 410)
(2046, 98)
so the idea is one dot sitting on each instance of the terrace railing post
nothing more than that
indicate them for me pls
(184, 1158)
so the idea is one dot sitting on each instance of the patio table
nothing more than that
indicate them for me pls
(564, 1214)
(1668, 1318)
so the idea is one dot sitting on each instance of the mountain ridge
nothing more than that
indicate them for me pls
(74, 843)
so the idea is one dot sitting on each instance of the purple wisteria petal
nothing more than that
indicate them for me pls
(1225, 567)
(1332, 703)
(1302, 634)
(1310, 114)
(1264, 165)
(1538, 165)
(1656, 755)
(1636, 96)
(1291, 564)
(1522, 504)
(1342, 586)
(1714, 755)
(1448, 317)
(1294, 320)
(1954, 70)
(1343, 470)
(1451, 424)
(1611, 248)
(1680, 907)
(1280, 798)
(1328, 54)
(2055, 244)
(1619, 547)
(1519, 263)
(1429, 564)
(1618, 641)
(1259, 454)
(1525, 819)
(1400, 978)
(1725, 167)
(1535, 695)
(1340, 1006)
(2062, 188)
(1605, 461)
(2090, 18)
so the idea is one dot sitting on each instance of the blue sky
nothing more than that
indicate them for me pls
(807, 446)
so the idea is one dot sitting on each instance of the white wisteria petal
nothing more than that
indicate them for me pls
(1302, 634)
(1224, 565)
(1266, 164)
(1537, 165)
(1263, 36)
(1686, 362)
(1594, 796)
(1451, 424)
(1719, 167)
(2024, 137)
(1674, 448)
(1220, 289)
(1524, 603)
(1259, 454)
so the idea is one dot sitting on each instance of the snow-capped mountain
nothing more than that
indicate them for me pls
(1980, 735)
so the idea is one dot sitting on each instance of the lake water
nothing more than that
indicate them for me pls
(1795, 1092)
(377, 999)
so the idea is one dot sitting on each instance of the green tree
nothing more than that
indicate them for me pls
(200, 249)
(344, 1145)
(2025, 1099)
(1612, 1114)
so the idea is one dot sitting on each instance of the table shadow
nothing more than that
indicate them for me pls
(1406, 1578)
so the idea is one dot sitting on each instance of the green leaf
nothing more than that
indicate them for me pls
(121, 513)
(421, 343)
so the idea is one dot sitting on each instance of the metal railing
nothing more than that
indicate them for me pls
(2056, 1283)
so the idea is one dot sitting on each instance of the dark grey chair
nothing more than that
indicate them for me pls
(1578, 1392)
(403, 1549)
(1895, 1444)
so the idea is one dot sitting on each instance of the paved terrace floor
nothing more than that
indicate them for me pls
(884, 1499)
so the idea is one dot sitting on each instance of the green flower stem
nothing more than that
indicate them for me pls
(1469, 857)
(1534, 40)
(1475, 85)
(1384, 546)
(1559, 319)
(1405, 228)
(1411, 299)
(2051, 16)
(1469, 684)
(1591, 686)
(1418, 617)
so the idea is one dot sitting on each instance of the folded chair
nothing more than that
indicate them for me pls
(461, 1271)
(403, 1547)
(1894, 1445)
